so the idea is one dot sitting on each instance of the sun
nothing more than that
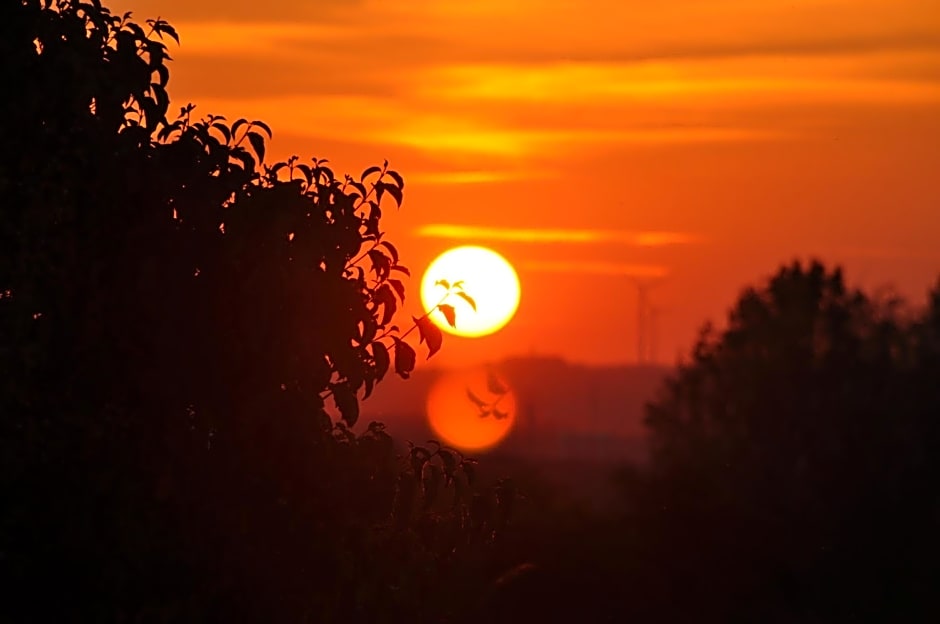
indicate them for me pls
(485, 276)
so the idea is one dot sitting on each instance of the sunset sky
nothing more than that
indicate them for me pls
(698, 142)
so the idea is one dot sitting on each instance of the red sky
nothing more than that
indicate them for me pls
(707, 141)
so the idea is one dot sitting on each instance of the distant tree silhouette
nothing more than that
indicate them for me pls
(795, 461)
(175, 319)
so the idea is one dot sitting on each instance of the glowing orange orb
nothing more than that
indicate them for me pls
(465, 412)
(482, 274)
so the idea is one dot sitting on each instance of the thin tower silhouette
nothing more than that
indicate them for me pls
(643, 311)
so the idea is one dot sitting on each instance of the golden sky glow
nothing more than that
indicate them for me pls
(594, 141)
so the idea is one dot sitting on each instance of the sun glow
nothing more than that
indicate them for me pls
(472, 409)
(485, 276)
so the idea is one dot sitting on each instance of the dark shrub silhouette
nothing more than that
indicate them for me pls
(175, 318)
(795, 462)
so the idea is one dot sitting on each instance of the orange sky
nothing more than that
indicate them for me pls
(588, 142)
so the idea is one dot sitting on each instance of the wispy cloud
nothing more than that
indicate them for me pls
(596, 268)
(455, 80)
(628, 82)
(547, 235)
(469, 177)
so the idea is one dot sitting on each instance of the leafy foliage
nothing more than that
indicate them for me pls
(175, 314)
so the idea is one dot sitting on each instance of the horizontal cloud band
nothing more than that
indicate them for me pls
(543, 235)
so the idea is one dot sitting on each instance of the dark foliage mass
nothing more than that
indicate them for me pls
(796, 459)
(793, 475)
(176, 318)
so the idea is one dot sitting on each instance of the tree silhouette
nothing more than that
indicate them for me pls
(794, 461)
(175, 319)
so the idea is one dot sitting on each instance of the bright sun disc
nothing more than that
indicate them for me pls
(486, 277)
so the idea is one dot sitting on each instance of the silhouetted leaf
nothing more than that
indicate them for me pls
(264, 127)
(391, 250)
(137, 31)
(449, 314)
(221, 127)
(399, 288)
(395, 192)
(382, 360)
(346, 402)
(369, 384)
(369, 329)
(368, 172)
(325, 173)
(163, 73)
(500, 415)
(444, 283)
(257, 144)
(304, 169)
(381, 263)
(163, 28)
(405, 358)
(402, 269)
(397, 177)
(385, 297)
(430, 333)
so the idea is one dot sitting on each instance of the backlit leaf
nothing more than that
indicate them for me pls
(449, 314)
(467, 298)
